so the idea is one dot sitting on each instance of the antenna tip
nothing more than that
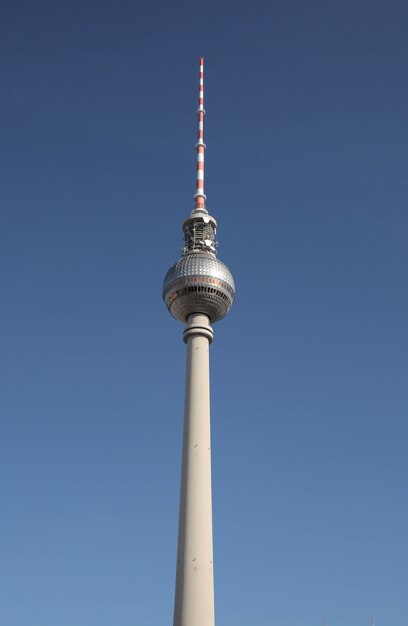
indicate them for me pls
(201, 60)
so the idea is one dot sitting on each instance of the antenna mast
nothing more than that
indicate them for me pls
(200, 198)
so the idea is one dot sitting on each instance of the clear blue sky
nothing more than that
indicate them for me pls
(307, 136)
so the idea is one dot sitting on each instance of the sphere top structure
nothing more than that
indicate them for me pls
(199, 282)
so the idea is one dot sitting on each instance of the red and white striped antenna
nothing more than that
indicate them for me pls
(200, 197)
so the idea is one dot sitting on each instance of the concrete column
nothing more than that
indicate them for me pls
(194, 598)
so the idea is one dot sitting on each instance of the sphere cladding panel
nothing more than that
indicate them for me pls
(198, 283)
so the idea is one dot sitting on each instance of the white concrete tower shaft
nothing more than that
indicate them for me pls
(194, 598)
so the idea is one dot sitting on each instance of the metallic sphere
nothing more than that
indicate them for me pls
(198, 283)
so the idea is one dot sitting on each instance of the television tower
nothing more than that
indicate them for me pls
(198, 290)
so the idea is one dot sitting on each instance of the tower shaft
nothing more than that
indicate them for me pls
(194, 596)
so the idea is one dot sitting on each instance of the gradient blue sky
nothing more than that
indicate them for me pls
(307, 137)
